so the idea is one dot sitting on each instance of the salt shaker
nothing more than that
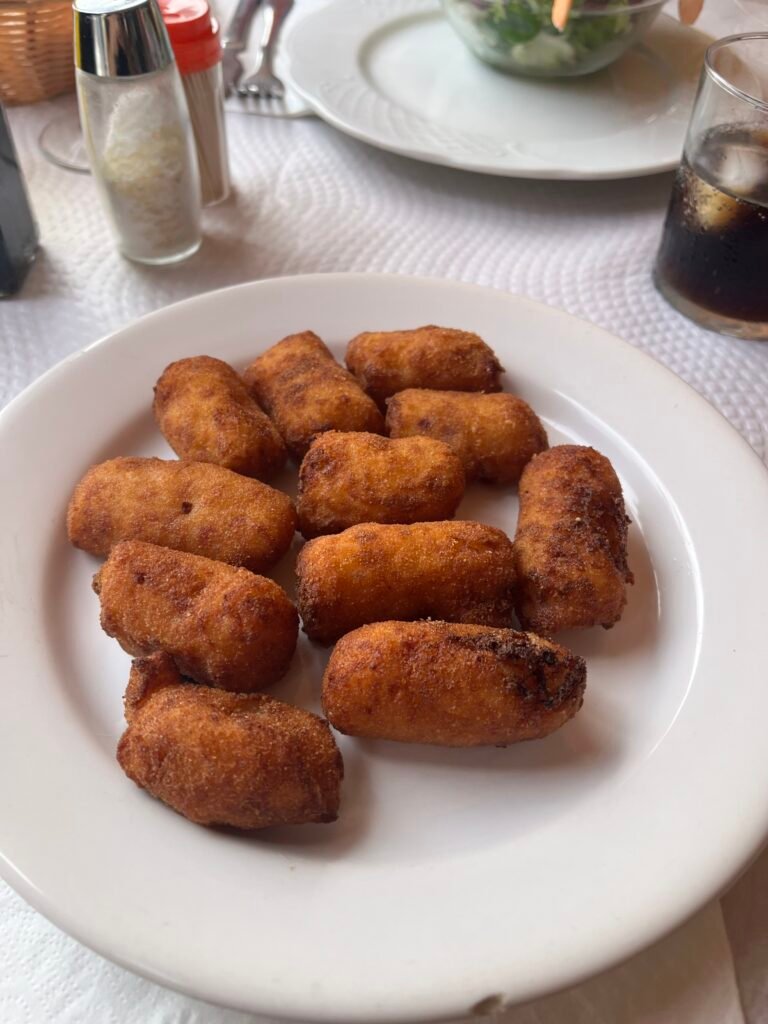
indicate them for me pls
(137, 129)
(194, 36)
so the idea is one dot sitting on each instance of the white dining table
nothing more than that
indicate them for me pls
(308, 199)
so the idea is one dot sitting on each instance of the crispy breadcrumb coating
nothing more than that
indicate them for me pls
(207, 414)
(189, 506)
(218, 758)
(440, 358)
(305, 392)
(351, 478)
(459, 571)
(571, 542)
(448, 684)
(223, 626)
(495, 436)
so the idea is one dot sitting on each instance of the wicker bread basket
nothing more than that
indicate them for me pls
(36, 52)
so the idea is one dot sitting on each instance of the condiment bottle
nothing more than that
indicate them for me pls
(194, 36)
(137, 129)
(18, 233)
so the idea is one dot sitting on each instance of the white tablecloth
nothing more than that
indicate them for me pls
(311, 200)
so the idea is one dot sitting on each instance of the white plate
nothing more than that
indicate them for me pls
(452, 877)
(393, 73)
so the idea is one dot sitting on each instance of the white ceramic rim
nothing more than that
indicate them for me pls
(373, 21)
(708, 840)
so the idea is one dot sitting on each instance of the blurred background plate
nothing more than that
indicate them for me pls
(393, 73)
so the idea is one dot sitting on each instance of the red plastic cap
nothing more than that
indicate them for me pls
(193, 32)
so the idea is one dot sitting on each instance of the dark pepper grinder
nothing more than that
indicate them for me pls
(18, 231)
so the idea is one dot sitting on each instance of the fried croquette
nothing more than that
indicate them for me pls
(190, 506)
(223, 626)
(439, 358)
(351, 478)
(207, 414)
(459, 571)
(306, 392)
(453, 685)
(571, 542)
(243, 760)
(493, 435)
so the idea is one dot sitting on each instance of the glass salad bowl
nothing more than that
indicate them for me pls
(518, 35)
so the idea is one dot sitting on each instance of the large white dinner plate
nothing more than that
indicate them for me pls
(394, 74)
(453, 879)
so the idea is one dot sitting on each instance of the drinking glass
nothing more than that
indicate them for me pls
(711, 264)
(62, 142)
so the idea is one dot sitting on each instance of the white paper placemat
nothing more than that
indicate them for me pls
(311, 200)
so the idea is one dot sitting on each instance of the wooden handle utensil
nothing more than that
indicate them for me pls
(689, 10)
(561, 10)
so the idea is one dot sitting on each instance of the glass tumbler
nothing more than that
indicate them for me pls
(711, 264)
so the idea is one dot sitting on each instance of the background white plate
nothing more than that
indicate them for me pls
(452, 877)
(394, 73)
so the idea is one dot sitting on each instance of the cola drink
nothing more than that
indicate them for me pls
(713, 251)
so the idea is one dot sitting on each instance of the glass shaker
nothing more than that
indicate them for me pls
(137, 129)
(194, 35)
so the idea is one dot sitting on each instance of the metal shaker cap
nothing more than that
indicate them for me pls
(120, 38)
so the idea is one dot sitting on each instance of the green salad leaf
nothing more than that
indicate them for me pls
(592, 33)
(520, 32)
(515, 22)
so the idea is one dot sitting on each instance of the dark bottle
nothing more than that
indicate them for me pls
(18, 232)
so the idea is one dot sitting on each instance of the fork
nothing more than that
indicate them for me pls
(264, 84)
(235, 41)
